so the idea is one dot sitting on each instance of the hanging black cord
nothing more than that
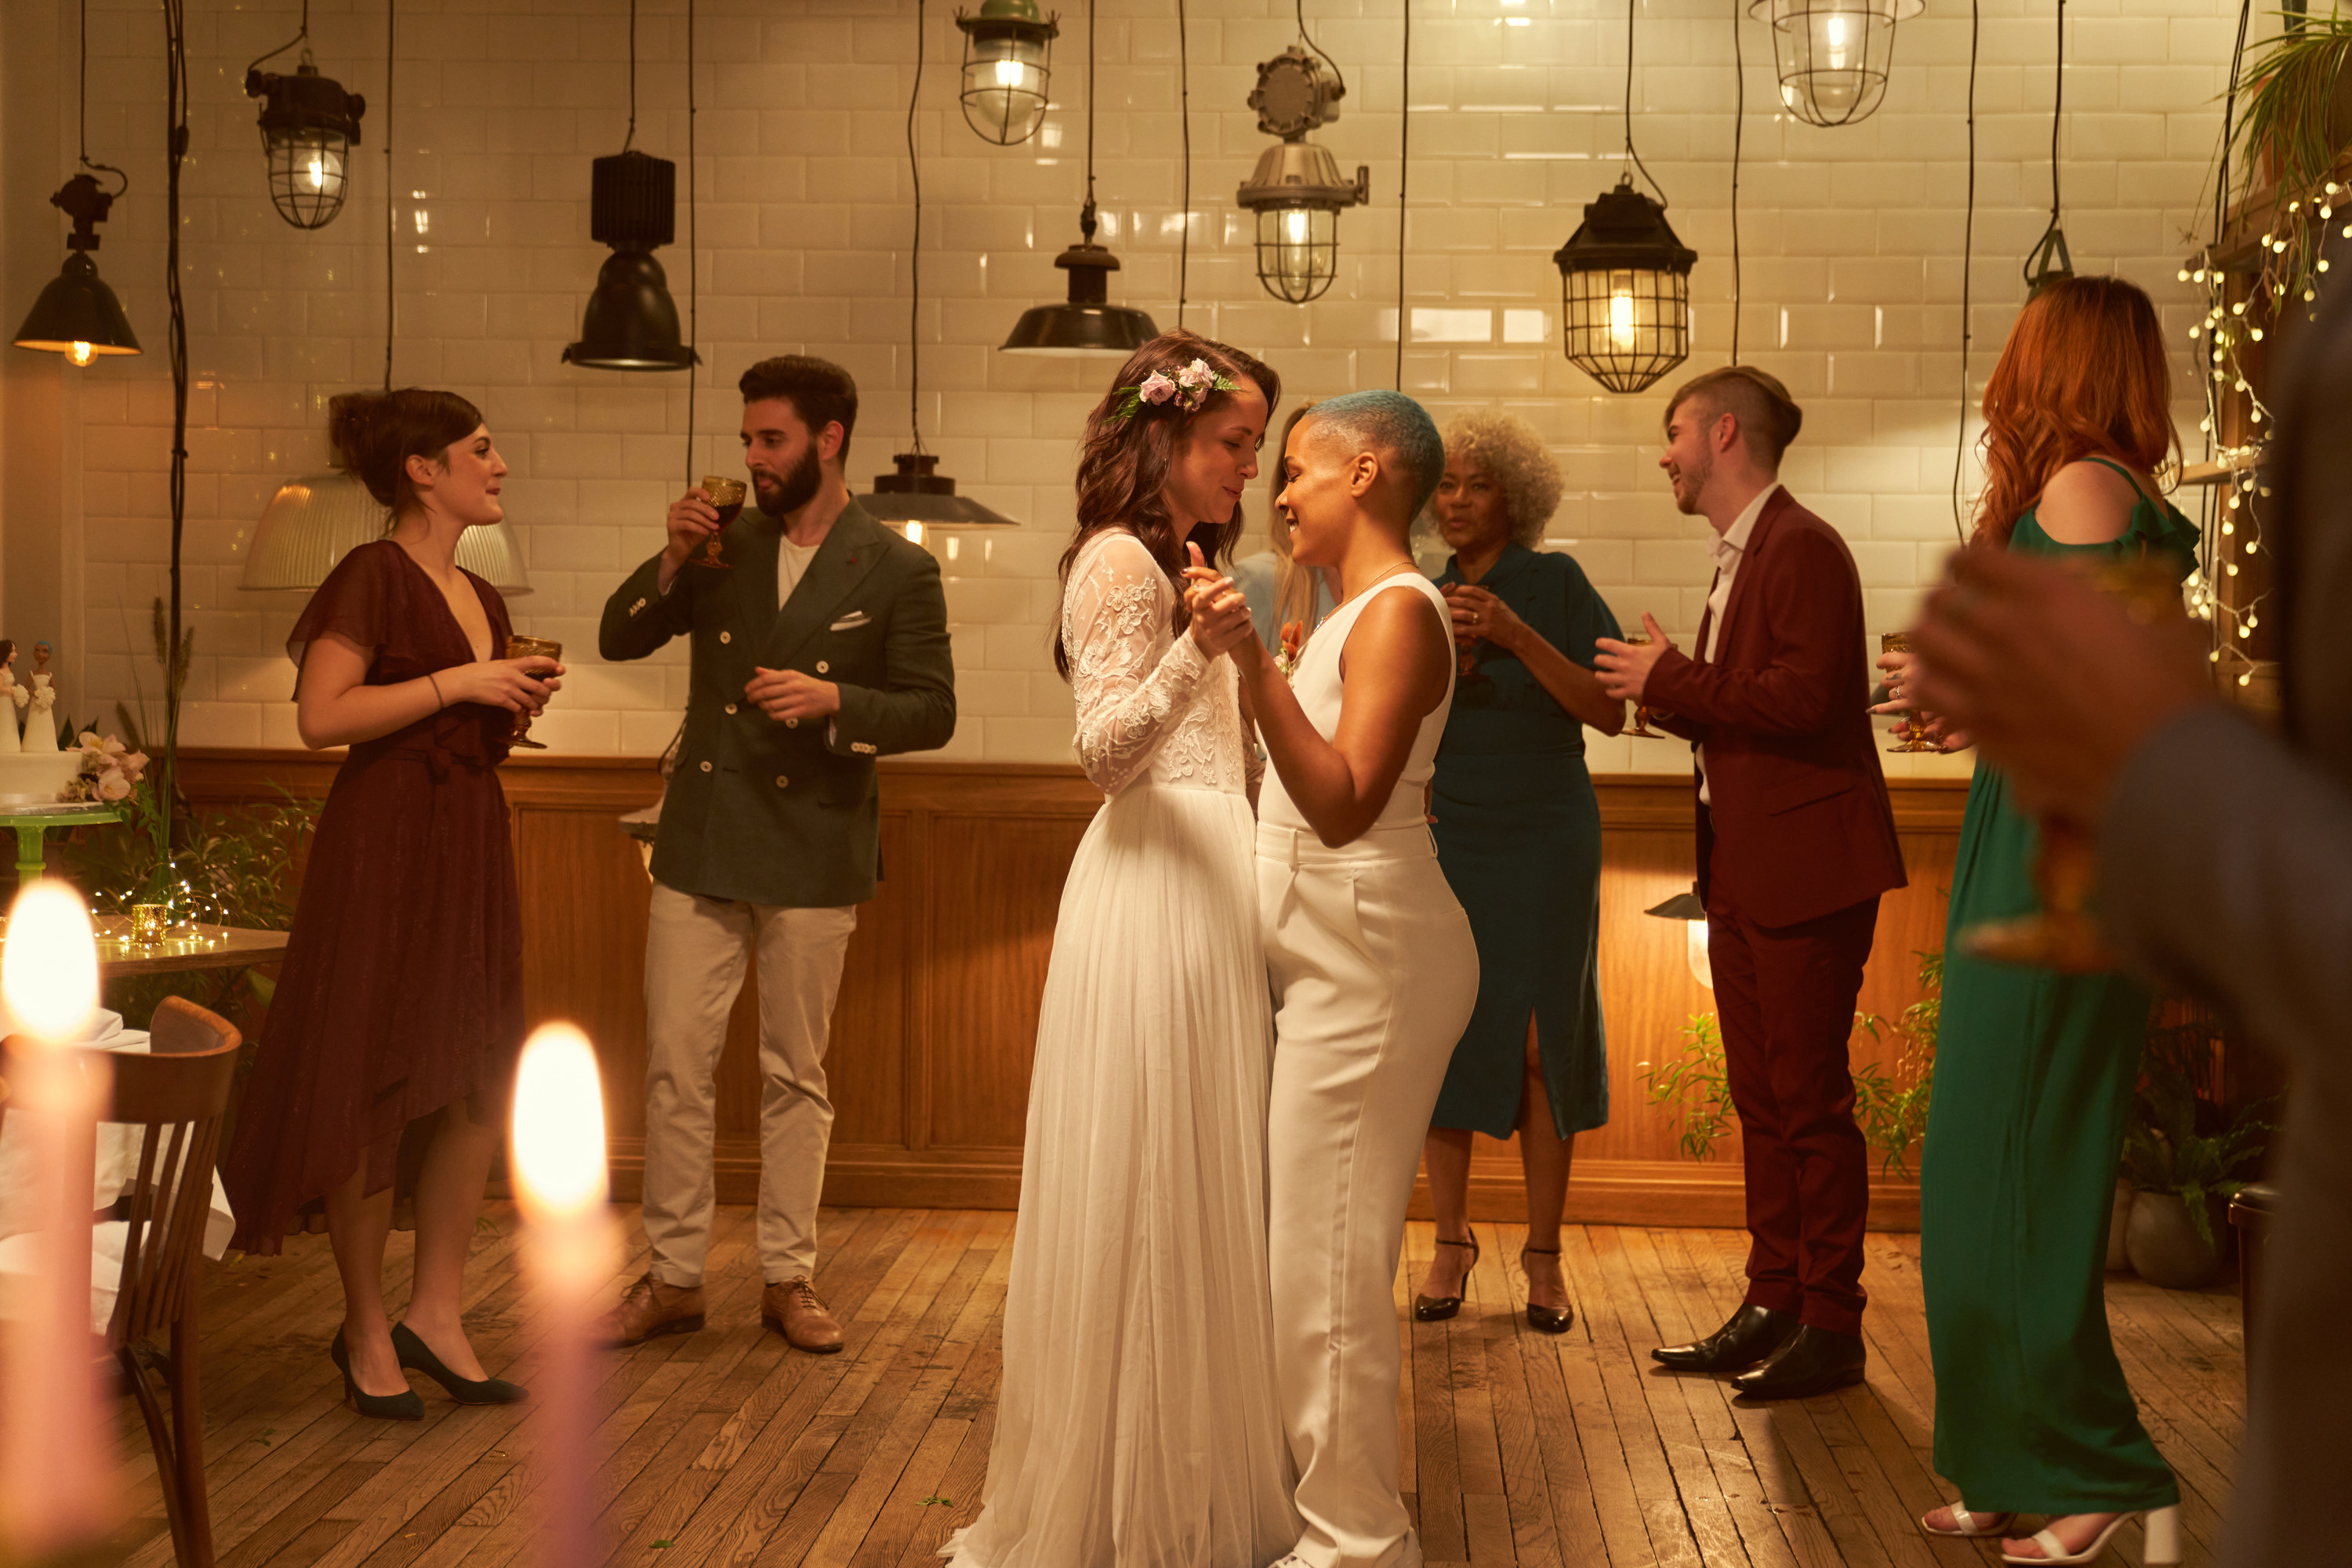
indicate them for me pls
(693, 255)
(2057, 119)
(301, 38)
(2229, 132)
(1299, 8)
(1184, 107)
(1738, 123)
(1632, 156)
(81, 103)
(1087, 216)
(631, 138)
(176, 142)
(1968, 258)
(915, 254)
(391, 206)
(1404, 167)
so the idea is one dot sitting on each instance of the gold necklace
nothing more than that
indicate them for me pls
(1404, 565)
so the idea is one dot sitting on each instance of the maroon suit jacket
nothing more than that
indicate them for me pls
(1800, 825)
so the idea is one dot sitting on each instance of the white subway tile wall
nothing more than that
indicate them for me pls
(1850, 241)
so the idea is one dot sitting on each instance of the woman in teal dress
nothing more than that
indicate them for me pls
(1519, 834)
(2035, 1070)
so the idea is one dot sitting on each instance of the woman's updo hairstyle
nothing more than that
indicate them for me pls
(375, 433)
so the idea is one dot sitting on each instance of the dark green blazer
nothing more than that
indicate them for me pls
(787, 814)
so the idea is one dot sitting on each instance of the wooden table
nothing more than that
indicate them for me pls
(32, 823)
(194, 947)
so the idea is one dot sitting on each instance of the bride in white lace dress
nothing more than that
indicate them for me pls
(1138, 1425)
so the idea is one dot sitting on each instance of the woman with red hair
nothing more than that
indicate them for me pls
(2035, 1070)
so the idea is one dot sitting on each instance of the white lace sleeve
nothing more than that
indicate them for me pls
(1130, 678)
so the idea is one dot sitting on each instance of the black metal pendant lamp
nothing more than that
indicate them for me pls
(917, 495)
(631, 321)
(1087, 323)
(1626, 277)
(308, 127)
(78, 315)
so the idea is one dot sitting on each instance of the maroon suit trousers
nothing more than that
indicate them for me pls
(1786, 996)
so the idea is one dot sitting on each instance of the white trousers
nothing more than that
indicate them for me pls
(696, 951)
(1374, 976)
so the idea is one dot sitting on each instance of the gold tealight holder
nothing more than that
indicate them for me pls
(148, 923)
(530, 648)
(1914, 738)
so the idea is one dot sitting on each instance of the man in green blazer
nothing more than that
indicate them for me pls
(820, 645)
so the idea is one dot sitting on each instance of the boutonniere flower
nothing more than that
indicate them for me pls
(1187, 391)
(1285, 658)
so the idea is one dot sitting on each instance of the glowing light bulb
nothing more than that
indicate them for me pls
(1294, 226)
(1835, 28)
(914, 532)
(81, 353)
(1009, 73)
(317, 171)
(1620, 321)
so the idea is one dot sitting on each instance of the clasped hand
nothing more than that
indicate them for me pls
(1220, 617)
(1478, 613)
(788, 696)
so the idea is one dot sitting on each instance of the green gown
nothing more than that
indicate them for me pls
(2034, 1076)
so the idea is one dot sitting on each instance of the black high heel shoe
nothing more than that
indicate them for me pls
(1437, 1308)
(1546, 1320)
(401, 1406)
(415, 1354)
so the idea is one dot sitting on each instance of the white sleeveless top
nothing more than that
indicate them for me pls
(1320, 689)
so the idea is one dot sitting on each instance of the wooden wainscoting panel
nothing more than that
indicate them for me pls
(996, 887)
(583, 942)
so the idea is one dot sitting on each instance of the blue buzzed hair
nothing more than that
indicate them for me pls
(1398, 428)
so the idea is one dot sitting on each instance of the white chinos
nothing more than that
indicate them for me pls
(696, 951)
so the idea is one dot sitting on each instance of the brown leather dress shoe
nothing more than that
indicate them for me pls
(649, 1308)
(792, 1309)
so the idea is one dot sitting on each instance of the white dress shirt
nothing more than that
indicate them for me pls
(1727, 548)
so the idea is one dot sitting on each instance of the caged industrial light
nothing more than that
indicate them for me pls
(1832, 55)
(1624, 276)
(1008, 62)
(1297, 190)
(309, 126)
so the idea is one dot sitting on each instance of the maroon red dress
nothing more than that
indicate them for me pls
(402, 987)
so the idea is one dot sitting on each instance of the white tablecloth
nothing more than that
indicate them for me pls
(117, 1171)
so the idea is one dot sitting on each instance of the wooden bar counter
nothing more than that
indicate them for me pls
(929, 1058)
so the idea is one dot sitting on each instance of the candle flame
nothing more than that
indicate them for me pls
(558, 1124)
(48, 966)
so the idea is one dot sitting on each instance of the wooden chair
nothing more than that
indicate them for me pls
(178, 1091)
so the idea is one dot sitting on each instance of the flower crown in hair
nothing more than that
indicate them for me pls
(1189, 389)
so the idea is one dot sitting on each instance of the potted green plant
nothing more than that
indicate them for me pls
(1891, 1109)
(2294, 124)
(2185, 1157)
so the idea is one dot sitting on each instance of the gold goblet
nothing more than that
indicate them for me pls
(1914, 738)
(531, 647)
(1641, 714)
(727, 495)
(2062, 934)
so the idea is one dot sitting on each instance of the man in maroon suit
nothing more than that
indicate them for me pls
(1796, 842)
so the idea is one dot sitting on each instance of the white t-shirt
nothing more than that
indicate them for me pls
(791, 566)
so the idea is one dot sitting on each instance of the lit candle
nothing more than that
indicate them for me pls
(559, 1170)
(56, 1471)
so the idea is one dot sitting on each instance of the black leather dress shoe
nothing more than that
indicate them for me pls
(1815, 1361)
(1753, 1333)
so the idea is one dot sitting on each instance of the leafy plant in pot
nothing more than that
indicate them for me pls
(2185, 1157)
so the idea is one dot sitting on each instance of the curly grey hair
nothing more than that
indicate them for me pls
(1506, 450)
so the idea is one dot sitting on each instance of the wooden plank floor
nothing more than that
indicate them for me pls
(726, 1446)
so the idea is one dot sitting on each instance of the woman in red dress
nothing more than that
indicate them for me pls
(391, 1040)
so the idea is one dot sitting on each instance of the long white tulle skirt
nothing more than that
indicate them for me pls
(1137, 1422)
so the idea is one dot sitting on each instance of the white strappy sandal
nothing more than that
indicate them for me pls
(2161, 1548)
(1969, 1526)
